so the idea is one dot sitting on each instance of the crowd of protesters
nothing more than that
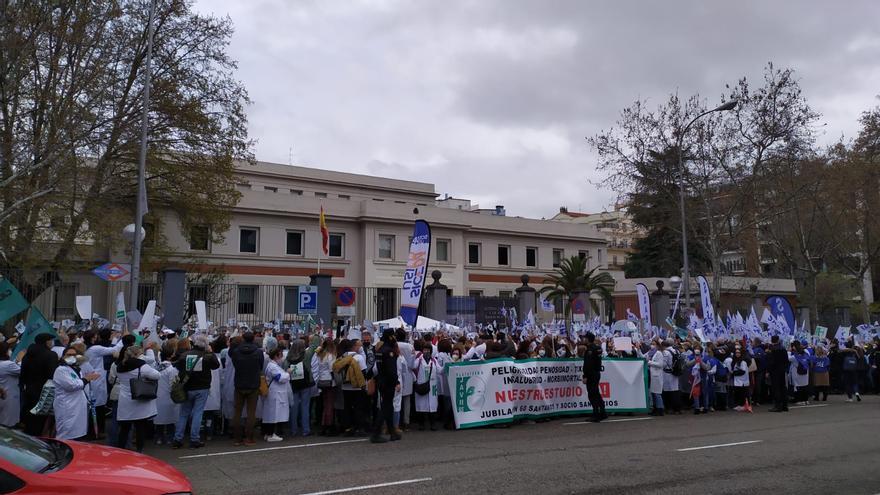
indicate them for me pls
(235, 382)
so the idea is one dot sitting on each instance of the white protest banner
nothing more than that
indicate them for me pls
(623, 344)
(354, 333)
(502, 390)
(202, 312)
(120, 306)
(821, 332)
(84, 307)
(149, 318)
(842, 333)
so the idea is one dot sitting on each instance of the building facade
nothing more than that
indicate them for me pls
(615, 226)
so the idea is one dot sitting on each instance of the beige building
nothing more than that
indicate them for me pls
(274, 242)
(615, 226)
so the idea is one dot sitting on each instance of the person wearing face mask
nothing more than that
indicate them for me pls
(592, 370)
(71, 404)
(276, 405)
(427, 376)
(444, 408)
(130, 412)
(656, 365)
(9, 372)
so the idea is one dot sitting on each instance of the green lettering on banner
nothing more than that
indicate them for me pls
(463, 393)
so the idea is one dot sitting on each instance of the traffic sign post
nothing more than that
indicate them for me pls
(308, 300)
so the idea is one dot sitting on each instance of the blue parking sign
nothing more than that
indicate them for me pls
(308, 300)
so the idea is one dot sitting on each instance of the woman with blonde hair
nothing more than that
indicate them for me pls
(326, 353)
(821, 380)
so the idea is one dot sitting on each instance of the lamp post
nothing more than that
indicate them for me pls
(730, 105)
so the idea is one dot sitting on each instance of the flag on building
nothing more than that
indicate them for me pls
(325, 234)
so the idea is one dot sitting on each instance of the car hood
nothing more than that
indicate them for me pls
(111, 466)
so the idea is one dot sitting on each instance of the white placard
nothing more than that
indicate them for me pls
(84, 307)
(354, 333)
(149, 318)
(623, 344)
(202, 315)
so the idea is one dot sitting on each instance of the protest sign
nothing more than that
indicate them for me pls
(502, 390)
(84, 307)
(202, 315)
(149, 319)
(623, 344)
(821, 332)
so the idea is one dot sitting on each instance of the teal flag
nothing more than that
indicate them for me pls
(36, 324)
(11, 301)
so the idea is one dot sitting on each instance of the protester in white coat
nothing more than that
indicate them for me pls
(11, 404)
(656, 366)
(740, 372)
(167, 411)
(134, 412)
(71, 403)
(671, 396)
(427, 372)
(96, 353)
(276, 405)
(406, 380)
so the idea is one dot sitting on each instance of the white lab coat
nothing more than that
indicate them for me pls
(741, 381)
(95, 354)
(475, 353)
(129, 409)
(167, 411)
(9, 407)
(424, 373)
(227, 389)
(213, 402)
(71, 406)
(799, 381)
(670, 381)
(442, 359)
(276, 407)
(406, 379)
(656, 366)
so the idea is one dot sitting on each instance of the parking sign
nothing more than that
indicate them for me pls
(308, 300)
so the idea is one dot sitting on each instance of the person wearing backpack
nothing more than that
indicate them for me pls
(300, 364)
(671, 396)
(850, 371)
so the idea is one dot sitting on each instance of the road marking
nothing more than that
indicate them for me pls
(608, 421)
(809, 405)
(266, 449)
(368, 487)
(719, 445)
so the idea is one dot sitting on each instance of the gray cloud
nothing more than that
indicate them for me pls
(492, 99)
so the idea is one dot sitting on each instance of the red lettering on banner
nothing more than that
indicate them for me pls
(605, 389)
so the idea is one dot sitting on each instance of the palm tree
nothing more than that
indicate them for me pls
(571, 277)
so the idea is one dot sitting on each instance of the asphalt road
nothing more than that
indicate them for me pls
(828, 448)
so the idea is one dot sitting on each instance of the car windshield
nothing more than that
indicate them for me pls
(25, 451)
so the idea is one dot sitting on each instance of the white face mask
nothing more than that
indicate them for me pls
(456, 357)
(541, 352)
(70, 360)
(561, 352)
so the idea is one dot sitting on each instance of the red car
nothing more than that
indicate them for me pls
(34, 465)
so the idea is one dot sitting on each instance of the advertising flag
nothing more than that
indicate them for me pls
(780, 307)
(706, 300)
(416, 272)
(644, 303)
(325, 234)
(11, 301)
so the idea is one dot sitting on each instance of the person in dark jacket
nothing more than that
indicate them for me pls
(592, 375)
(247, 359)
(387, 383)
(37, 367)
(197, 365)
(777, 366)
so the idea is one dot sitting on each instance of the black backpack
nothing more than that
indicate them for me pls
(677, 364)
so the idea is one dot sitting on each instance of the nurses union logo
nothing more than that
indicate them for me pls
(469, 393)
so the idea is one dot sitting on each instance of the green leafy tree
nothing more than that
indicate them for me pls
(572, 277)
(70, 114)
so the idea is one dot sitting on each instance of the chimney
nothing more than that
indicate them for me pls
(563, 209)
(499, 211)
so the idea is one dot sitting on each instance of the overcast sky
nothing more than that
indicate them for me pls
(491, 99)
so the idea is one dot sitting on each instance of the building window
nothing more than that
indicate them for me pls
(475, 293)
(270, 189)
(247, 299)
(200, 238)
(557, 257)
(532, 257)
(599, 256)
(583, 255)
(320, 195)
(295, 242)
(296, 192)
(248, 240)
(344, 196)
(386, 247)
(505, 294)
(377, 199)
(614, 260)
(291, 300)
(442, 251)
(65, 301)
(503, 255)
(337, 242)
(474, 253)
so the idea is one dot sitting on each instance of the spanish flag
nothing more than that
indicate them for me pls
(325, 234)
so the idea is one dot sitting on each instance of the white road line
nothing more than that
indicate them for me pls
(719, 445)
(368, 487)
(608, 421)
(809, 405)
(266, 449)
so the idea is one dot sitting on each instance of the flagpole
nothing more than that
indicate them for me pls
(142, 164)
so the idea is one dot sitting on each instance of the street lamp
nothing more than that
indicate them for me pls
(729, 105)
